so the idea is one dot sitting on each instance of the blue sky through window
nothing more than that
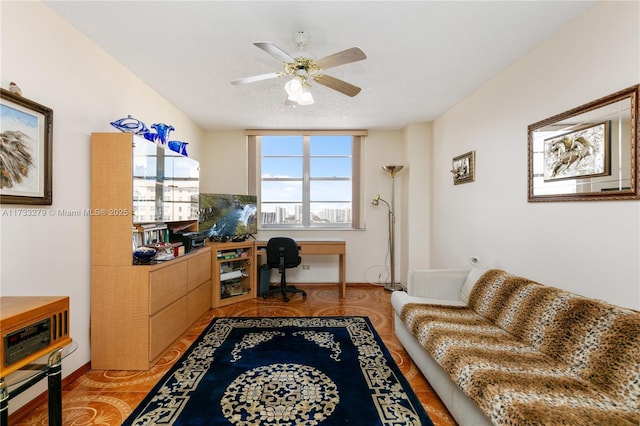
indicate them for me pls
(330, 168)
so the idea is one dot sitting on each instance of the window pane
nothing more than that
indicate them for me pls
(330, 167)
(281, 191)
(281, 213)
(324, 190)
(281, 145)
(330, 145)
(330, 213)
(281, 168)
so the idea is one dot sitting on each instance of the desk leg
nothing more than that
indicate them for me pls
(343, 275)
(4, 404)
(54, 377)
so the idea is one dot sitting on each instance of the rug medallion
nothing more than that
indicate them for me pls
(283, 371)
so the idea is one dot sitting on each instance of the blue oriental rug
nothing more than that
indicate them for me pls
(283, 371)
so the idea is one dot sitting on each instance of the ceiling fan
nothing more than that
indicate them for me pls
(302, 67)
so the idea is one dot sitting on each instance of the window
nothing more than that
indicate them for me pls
(308, 181)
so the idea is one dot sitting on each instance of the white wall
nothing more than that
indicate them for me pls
(415, 190)
(87, 89)
(591, 248)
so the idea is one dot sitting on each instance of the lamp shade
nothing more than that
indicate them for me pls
(392, 169)
(298, 91)
(305, 97)
(293, 87)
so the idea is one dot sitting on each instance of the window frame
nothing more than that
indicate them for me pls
(357, 157)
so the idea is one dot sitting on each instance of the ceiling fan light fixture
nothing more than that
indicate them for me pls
(305, 97)
(298, 91)
(303, 66)
(293, 87)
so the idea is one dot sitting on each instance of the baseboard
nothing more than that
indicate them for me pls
(43, 398)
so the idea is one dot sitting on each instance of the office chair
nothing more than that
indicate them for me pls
(283, 253)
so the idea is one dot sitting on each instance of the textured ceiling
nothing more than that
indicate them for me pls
(423, 56)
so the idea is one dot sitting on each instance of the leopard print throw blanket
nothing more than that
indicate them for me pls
(530, 354)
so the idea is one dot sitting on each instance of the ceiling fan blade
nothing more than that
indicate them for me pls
(345, 57)
(275, 51)
(337, 84)
(256, 78)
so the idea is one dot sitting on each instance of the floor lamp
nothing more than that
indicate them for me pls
(392, 170)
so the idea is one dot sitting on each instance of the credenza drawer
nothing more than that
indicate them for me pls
(166, 326)
(199, 268)
(198, 302)
(166, 285)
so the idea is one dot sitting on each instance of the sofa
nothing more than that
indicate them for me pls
(505, 350)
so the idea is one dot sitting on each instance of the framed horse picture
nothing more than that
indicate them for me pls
(587, 153)
(580, 153)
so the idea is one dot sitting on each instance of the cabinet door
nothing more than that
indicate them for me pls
(165, 184)
(147, 182)
(167, 285)
(181, 187)
(166, 326)
(198, 302)
(199, 268)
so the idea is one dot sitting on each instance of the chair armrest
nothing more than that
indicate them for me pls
(436, 283)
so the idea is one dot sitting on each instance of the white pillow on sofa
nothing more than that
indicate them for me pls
(473, 276)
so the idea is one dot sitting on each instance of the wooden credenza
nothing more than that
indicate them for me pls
(138, 311)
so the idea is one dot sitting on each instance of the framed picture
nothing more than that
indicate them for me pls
(26, 138)
(464, 168)
(588, 153)
(579, 153)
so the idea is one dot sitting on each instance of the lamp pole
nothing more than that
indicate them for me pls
(392, 170)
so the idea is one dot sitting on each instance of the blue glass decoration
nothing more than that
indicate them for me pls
(150, 136)
(179, 147)
(144, 254)
(130, 125)
(163, 131)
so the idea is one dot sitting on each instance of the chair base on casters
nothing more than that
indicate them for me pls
(284, 289)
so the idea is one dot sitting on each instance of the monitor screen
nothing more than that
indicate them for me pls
(225, 217)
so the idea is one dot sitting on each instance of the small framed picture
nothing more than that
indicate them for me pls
(26, 137)
(464, 168)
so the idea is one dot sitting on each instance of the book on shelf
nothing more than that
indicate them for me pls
(230, 275)
(152, 226)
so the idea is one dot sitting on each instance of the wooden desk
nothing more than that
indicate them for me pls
(322, 247)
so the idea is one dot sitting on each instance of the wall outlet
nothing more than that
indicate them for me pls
(306, 267)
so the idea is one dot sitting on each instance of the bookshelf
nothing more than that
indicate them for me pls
(234, 272)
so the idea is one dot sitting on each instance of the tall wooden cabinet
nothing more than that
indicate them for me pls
(137, 311)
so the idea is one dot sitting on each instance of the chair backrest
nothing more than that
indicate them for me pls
(289, 249)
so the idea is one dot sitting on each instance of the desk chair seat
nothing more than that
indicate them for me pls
(283, 253)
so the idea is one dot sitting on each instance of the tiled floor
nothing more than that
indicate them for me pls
(106, 398)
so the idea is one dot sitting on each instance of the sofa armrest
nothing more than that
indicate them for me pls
(437, 283)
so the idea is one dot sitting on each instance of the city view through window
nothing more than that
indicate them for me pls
(306, 181)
